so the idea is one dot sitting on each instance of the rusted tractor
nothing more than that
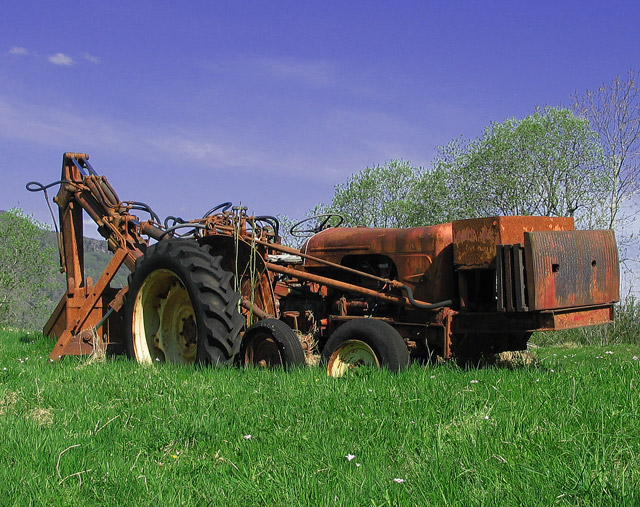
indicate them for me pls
(222, 289)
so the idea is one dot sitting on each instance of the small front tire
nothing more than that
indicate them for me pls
(364, 342)
(270, 343)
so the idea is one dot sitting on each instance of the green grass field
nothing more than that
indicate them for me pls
(81, 432)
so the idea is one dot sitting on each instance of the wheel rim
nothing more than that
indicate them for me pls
(350, 355)
(262, 350)
(164, 323)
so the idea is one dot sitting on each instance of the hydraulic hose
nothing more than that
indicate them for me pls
(423, 306)
(170, 230)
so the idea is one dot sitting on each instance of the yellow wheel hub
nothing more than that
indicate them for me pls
(164, 323)
(350, 355)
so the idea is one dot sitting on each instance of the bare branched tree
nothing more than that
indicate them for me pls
(613, 111)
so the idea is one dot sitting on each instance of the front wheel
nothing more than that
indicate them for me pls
(270, 343)
(364, 342)
(181, 307)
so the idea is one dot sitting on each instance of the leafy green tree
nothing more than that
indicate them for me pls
(395, 194)
(376, 196)
(549, 163)
(27, 271)
(434, 198)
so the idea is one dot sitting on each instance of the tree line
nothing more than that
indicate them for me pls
(28, 272)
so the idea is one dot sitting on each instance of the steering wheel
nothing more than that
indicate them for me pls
(225, 206)
(322, 224)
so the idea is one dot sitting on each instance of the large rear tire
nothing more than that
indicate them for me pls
(364, 342)
(181, 307)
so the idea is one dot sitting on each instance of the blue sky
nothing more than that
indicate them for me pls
(184, 105)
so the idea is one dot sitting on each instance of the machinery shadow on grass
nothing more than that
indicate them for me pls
(510, 360)
(32, 337)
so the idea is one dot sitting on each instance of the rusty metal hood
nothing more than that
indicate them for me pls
(333, 244)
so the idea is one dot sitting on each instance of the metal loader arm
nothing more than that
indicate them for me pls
(85, 306)
(83, 189)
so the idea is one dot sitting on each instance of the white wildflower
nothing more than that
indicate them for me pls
(398, 480)
(635, 358)
(247, 437)
(609, 352)
(350, 456)
(474, 382)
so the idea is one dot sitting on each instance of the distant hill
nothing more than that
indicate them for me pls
(96, 258)
(31, 309)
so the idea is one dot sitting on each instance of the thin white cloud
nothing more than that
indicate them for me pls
(215, 148)
(90, 58)
(18, 51)
(56, 58)
(61, 59)
(50, 126)
(311, 72)
(53, 127)
(195, 147)
(382, 135)
(314, 73)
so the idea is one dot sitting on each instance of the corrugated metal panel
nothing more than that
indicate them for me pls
(571, 268)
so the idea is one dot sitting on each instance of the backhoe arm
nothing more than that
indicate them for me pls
(85, 306)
